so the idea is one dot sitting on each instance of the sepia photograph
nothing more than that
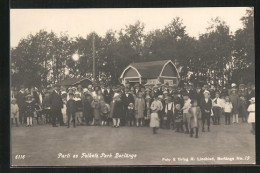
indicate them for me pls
(132, 86)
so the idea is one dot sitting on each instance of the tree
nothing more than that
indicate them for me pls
(39, 59)
(244, 53)
(215, 50)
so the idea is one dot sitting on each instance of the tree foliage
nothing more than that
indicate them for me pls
(217, 55)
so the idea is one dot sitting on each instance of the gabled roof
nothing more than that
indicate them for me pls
(72, 81)
(151, 69)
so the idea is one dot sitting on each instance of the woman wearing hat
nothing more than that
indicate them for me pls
(251, 116)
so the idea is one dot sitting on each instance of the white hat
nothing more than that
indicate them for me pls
(160, 97)
(206, 91)
(85, 90)
(233, 85)
(252, 99)
(165, 92)
(77, 93)
(116, 95)
(63, 92)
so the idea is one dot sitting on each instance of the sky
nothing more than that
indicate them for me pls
(81, 22)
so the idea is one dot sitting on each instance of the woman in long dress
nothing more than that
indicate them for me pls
(155, 121)
(139, 109)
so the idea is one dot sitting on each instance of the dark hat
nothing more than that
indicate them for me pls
(194, 100)
(175, 92)
(185, 94)
(71, 94)
(217, 92)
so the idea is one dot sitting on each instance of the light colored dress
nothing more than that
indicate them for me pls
(251, 116)
(14, 111)
(154, 122)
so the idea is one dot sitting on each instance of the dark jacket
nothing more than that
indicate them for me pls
(56, 101)
(108, 96)
(198, 96)
(71, 106)
(127, 100)
(21, 100)
(206, 106)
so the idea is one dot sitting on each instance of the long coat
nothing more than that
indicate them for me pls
(112, 105)
(56, 101)
(195, 115)
(118, 110)
(139, 107)
(235, 100)
(96, 109)
(87, 109)
(21, 100)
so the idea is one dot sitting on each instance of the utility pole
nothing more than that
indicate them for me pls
(94, 61)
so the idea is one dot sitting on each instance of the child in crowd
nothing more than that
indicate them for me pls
(217, 107)
(251, 116)
(71, 110)
(185, 109)
(195, 113)
(206, 108)
(105, 110)
(30, 109)
(227, 110)
(178, 118)
(130, 115)
(14, 112)
(155, 121)
(118, 111)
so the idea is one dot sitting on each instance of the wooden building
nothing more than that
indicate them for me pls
(151, 72)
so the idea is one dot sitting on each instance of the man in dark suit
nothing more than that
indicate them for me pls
(206, 106)
(108, 94)
(198, 95)
(56, 105)
(21, 104)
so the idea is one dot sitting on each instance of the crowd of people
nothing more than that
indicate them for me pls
(183, 109)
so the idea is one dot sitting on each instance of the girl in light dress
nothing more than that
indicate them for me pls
(155, 121)
(251, 116)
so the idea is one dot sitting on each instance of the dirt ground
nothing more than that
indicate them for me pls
(44, 145)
